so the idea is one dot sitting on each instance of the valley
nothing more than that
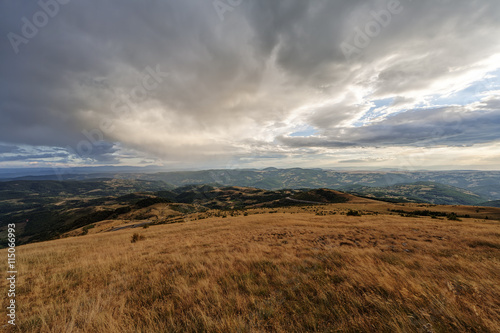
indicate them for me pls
(116, 255)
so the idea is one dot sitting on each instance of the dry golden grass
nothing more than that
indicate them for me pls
(264, 272)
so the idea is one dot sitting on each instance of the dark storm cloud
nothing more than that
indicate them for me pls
(10, 149)
(9, 153)
(101, 151)
(34, 157)
(432, 127)
(226, 82)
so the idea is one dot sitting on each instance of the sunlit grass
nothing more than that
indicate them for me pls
(267, 273)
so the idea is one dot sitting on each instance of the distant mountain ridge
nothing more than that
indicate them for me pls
(485, 184)
(425, 192)
(495, 203)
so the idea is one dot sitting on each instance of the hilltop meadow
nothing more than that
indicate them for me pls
(356, 266)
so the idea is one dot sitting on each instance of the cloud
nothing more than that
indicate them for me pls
(9, 149)
(101, 152)
(362, 160)
(268, 68)
(10, 153)
(30, 157)
(450, 126)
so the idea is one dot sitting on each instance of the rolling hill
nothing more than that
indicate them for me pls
(306, 268)
(495, 203)
(483, 183)
(425, 192)
(47, 210)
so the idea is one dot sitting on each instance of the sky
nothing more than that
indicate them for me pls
(198, 84)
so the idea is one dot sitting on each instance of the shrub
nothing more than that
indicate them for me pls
(353, 213)
(136, 237)
(453, 217)
(85, 229)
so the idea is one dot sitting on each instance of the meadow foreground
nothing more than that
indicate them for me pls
(288, 270)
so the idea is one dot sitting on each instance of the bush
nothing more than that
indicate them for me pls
(353, 213)
(90, 226)
(136, 237)
(453, 217)
(85, 229)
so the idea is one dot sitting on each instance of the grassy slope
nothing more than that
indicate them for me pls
(289, 271)
(52, 208)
